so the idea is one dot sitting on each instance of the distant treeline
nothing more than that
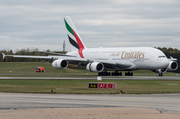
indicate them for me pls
(173, 52)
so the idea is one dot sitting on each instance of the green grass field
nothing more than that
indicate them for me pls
(79, 86)
(28, 68)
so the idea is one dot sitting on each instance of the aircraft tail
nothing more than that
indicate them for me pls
(74, 37)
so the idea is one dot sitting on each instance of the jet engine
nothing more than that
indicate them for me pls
(95, 67)
(60, 64)
(172, 66)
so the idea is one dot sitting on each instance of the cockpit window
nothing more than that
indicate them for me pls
(162, 57)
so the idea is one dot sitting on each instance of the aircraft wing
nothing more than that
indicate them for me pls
(69, 58)
(172, 59)
(76, 60)
(59, 54)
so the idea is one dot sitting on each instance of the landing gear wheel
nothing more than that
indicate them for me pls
(120, 74)
(160, 74)
(116, 73)
(128, 74)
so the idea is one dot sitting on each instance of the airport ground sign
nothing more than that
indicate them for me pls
(103, 85)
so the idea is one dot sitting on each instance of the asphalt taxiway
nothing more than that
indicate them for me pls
(104, 78)
(160, 102)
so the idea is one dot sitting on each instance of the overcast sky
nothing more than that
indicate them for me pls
(100, 23)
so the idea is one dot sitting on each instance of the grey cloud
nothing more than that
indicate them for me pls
(110, 23)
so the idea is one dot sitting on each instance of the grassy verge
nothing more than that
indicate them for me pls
(21, 68)
(81, 86)
(28, 68)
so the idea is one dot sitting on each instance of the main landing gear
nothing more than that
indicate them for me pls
(129, 74)
(116, 73)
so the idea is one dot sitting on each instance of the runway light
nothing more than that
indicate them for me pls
(99, 78)
(121, 92)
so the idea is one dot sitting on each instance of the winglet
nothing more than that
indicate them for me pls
(172, 59)
(3, 55)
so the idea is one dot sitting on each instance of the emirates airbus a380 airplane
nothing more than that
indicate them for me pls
(102, 60)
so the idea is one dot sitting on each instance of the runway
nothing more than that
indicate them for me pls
(160, 102)
(104, 78)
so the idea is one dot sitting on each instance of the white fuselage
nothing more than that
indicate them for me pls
(138, 57)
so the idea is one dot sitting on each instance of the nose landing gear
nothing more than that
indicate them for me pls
(159, 71)
(160, 74)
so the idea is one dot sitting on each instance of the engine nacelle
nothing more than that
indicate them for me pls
(60, 64)
(95, 67)
(172, 66)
